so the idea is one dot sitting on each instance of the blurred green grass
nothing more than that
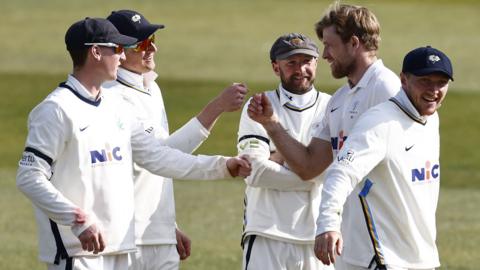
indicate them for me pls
(207, 45)
(229, 40)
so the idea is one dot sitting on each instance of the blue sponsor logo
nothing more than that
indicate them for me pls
(105, 155)
(427, 173)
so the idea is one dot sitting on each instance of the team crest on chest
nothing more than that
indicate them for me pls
(354, 110)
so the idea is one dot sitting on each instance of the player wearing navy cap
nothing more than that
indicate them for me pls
(392, 154)
(160, 244)
(77, 164)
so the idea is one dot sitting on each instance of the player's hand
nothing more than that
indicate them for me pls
(92, 239)
(183, 244)
(260, 109)
(232, 97)
(277, 158)
(239, 166)
(327, 245)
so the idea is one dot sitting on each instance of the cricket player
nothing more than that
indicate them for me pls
(351, 36)
(77, 164)
(392, 154)
(160, 244)
(280, 207)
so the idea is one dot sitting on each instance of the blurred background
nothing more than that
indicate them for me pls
(206, 46)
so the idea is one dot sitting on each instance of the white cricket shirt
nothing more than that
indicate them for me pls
(154, 199)
(278, 204)
(79, 153)
(392, 154)
(377, 85)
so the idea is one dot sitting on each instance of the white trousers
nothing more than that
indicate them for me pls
(106, 262)
(261, 253)
(155, 257)
(340, 264)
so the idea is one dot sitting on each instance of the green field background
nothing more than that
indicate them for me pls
(209, 44)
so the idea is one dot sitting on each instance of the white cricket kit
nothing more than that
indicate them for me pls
(377, 85)
(154, 199)
(279, 204)
(392, 154)
(79, 154)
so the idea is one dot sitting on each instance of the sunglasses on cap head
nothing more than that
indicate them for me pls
(116, 48)
(143, 45)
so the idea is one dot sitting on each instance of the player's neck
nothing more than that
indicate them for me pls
(361, 66)
(89, 80)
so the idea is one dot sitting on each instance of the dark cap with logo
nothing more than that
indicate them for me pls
(290, 44)
(94, 30)
(132, 23)
(427, 60)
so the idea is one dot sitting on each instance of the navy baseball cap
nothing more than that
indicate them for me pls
(134, 24)
(94, 30)
(427, 60)
(290, 44)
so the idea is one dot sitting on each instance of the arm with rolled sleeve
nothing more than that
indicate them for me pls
(365, 148)
(265, 173)
(47, 134)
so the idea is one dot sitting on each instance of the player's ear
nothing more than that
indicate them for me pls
(403, 79)
(95, 52)
(355, 41)
(276, 68)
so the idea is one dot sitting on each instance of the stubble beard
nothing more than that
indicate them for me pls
(343, 70)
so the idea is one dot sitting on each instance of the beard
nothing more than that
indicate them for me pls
(340, 70)
(294, 86)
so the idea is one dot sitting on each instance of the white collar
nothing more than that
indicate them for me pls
(367, 76)
(295, 100)
(80, 89)
(402, 101)
(131, 79)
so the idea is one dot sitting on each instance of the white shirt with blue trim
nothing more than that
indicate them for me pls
(347, 104)
(79, 154)
(279, 204)
(392, 157)
(154, 197)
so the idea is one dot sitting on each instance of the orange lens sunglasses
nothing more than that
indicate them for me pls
(144, 44)
(118, 49)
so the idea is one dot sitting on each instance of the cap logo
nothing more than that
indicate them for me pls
(136, 18)
(296, 41)
(433, 58)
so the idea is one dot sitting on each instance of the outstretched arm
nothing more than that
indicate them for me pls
(231, 99)
(306, 161)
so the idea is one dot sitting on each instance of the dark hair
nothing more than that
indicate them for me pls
(79, 56)
(351, 21)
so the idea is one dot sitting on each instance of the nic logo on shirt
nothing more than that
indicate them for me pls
(427, 173)
(108, 154)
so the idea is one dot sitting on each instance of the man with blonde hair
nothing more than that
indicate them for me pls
(350, 35)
